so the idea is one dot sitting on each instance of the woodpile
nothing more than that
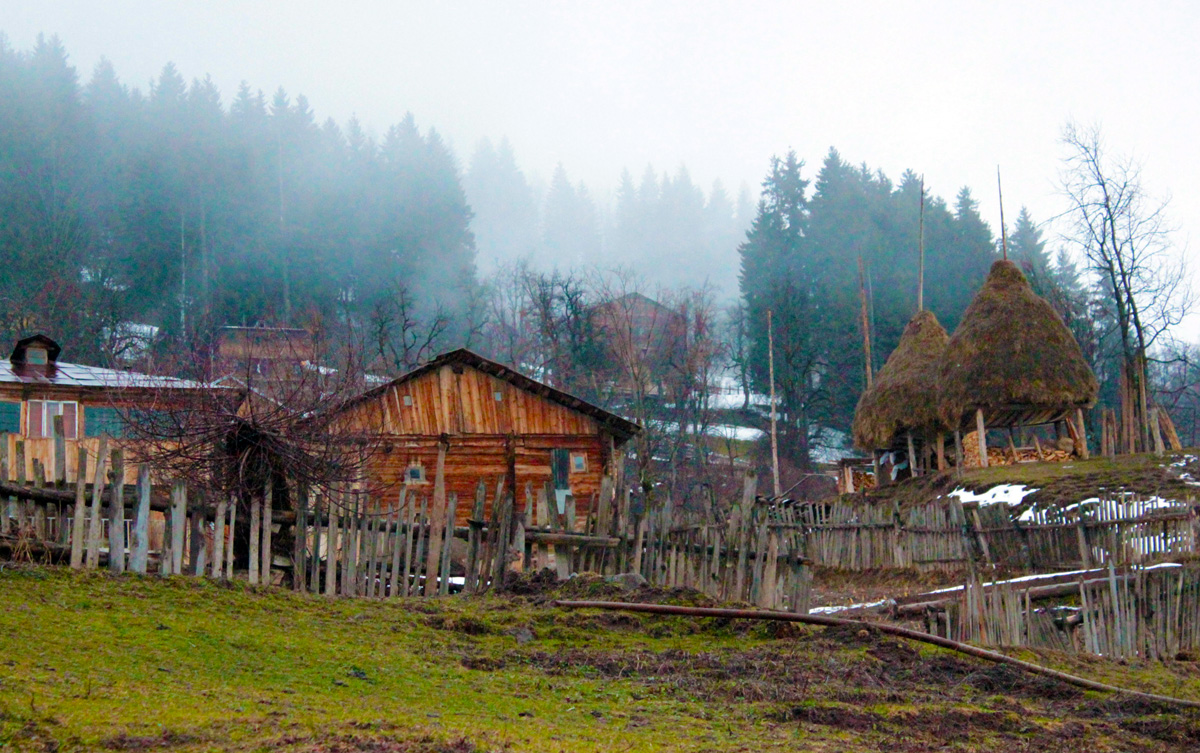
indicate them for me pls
(1004, 455)
(863, 480)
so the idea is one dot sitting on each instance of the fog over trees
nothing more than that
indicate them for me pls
(185, 208)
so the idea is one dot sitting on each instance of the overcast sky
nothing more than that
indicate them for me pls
(948, 89)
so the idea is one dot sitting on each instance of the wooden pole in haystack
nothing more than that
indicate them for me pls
(771, 376)
(866, 323)
(921, 251)
(1003, 229)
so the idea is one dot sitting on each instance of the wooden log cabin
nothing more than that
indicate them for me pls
(36, 387)
(495, 424)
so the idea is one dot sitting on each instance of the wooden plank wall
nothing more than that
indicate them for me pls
(43, 451)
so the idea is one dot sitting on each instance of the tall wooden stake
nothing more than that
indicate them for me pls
(774, 434)
(921, 251)
(1003, 229)
(866, 323)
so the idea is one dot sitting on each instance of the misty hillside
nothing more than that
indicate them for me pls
(180, 208)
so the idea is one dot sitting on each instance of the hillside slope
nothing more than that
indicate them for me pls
(91, 662)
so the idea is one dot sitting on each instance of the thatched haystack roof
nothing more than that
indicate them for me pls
(904, 394)
(1012, 350)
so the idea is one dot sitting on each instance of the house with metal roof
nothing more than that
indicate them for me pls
(36, 388)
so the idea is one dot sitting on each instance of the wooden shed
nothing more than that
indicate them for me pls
(493, 424)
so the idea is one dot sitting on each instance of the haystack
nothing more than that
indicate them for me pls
(904, 394)
(1012, 357)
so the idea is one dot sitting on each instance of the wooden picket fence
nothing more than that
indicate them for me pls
(1149, 613)
(945, 534)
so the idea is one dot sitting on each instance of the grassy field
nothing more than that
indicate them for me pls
(93, 662)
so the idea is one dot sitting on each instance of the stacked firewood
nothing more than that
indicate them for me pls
(1004, 455)
(863, 480)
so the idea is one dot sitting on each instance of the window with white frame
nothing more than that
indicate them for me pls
(39, 418)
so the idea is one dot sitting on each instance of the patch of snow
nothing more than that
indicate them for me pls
(1045, 576)
(831, 610)
(1004, 494)
(741, 433)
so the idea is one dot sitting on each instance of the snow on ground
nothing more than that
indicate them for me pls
(1044, 576)
(1004, 494)
(741, 433)
(831, 610)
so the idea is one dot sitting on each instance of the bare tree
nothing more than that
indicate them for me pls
(259, 433)
(1123, 234)
(402, 335)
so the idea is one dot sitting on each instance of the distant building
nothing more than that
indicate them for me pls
(261, 355)
(636, 329)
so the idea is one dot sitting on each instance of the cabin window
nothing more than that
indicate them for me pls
(40, 418)
(10, 418)
(36, 356)
(499, 396)
(415, 474)
(102, 421)
(578, 462)
(408, 401)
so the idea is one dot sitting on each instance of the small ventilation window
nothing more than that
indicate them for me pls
(499, 396)
(415, 474)
(36, 356)
(408, 401)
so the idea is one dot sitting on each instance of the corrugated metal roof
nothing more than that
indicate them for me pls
(76, 375)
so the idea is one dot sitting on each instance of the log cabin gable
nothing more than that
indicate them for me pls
(461, 393)
(466, 401)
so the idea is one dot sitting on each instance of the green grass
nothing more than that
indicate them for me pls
(89, 661)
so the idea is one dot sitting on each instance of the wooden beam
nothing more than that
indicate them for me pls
(981, 431)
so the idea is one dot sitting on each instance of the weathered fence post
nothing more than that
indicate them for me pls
(314, 580)
(333, 513)
(397, 539)
(268, 504)
(218, 560)
(77, 527)
(300, 538)
(230, 550)
(178, 525)
(197, 548)
(140, 549)
(94, 525)
(437, 523)
(471, 582)
(255, 536)
(116, 515)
